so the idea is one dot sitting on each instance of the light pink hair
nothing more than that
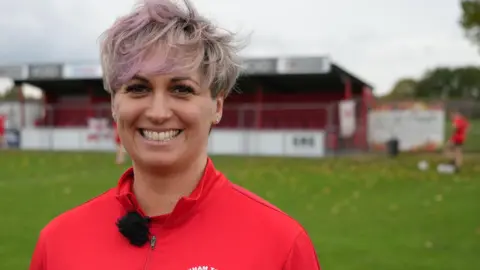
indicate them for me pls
(159, 37)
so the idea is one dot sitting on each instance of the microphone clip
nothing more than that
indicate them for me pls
(134, 227)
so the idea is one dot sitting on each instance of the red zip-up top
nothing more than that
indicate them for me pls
(461, 127)
(219, 226)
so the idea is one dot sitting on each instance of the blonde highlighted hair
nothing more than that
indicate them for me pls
(160, 37)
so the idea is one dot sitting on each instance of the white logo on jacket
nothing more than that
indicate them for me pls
(202, 268)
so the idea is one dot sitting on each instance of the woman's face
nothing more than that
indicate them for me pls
(165, 120)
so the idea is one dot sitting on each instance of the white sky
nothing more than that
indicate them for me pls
(378, 40)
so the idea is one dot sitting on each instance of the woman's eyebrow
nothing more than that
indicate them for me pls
(178, 79)
(140, 78)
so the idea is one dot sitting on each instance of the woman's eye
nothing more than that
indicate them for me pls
(136, 88)
(183, 89)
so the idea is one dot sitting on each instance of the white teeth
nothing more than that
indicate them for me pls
(160, 136)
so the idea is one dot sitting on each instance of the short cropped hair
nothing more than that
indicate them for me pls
(160, 37)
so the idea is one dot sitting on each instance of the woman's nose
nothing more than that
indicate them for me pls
(159, 109)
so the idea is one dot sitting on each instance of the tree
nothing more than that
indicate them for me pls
(12, 94)
(440, 83)
(403, 88)
(469, 82)
(448, 83)
(470, 19)
(437, 83)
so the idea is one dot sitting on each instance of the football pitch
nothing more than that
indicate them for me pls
(363, 212)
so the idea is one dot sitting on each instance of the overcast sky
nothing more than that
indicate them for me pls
(378, 40)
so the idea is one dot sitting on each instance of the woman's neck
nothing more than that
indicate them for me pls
(158, 193)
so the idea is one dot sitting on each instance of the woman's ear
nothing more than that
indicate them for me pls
(113, 108)
(218, 109)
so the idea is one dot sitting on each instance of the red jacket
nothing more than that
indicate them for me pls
(219, 226)
(2, 125)
(461, 126)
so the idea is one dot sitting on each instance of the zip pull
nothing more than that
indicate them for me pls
(153, 241)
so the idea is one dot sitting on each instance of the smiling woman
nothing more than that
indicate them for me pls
(168, 71)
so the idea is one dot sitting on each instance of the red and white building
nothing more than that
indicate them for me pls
(284, 106)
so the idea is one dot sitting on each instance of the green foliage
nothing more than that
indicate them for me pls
(365, 212)
(441, 83)
(438, 83)
(404, 88)
(12, 94)
(16, 93)
(470, 19)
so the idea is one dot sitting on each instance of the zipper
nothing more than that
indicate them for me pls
(153, 241)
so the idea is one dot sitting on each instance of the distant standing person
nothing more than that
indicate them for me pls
(456, 141)
(3, 140)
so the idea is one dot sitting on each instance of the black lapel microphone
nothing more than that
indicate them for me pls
(134, 227)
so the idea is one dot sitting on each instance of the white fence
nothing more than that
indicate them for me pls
(221, 142)
(21, 114)
(416, 127)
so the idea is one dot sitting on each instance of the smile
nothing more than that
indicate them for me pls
(163, 136)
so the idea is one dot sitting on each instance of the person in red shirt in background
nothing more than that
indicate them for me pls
(3, 140)
(120, 153)
(168, 70)
(454, 145)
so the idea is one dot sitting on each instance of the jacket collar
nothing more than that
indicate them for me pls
(186, 207)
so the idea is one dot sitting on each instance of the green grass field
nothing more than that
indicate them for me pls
(362, 212)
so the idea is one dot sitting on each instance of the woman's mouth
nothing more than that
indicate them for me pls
(160, 136)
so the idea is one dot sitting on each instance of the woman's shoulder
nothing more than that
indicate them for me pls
(257, 211)
(82, 214)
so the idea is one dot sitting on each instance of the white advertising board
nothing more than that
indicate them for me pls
(82, 71)
(221, 142)
(346, 111)
(268, 143)
(416, 128)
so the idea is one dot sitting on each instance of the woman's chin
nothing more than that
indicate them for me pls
(156, 159)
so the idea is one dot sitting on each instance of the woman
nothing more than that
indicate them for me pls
(168, 71)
